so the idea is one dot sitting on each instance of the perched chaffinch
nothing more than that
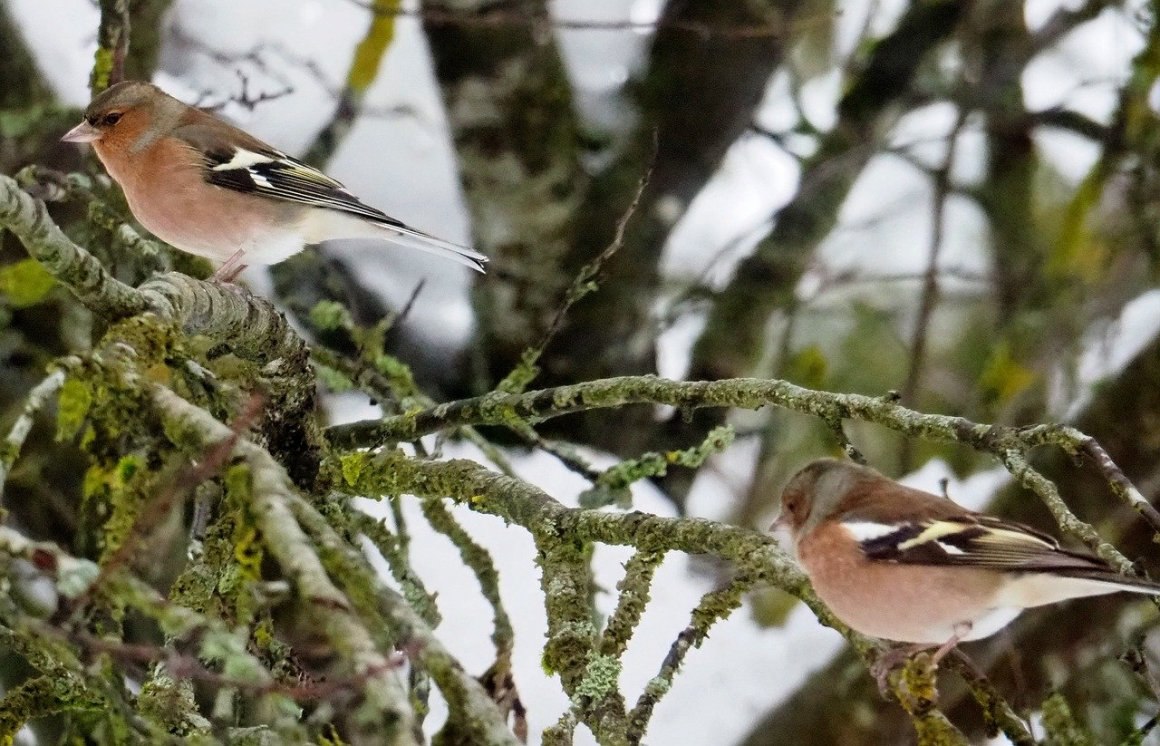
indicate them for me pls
(902, 564)
(210, 189)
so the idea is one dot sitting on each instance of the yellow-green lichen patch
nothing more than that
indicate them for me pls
(600, 676)
(25, 283)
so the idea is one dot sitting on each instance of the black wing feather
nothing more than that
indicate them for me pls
(979, 541)
(286, 178)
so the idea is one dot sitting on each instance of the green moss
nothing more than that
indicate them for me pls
(102, 69)
(330, 316)
(170, 705)
(73, 405)
(917, 682)
(397, 373)
(333, 380)
(353, 465)
(25, 283)
(1062, 727)
(114, 495)
(41, 696)
(611, 487)
(567, 584)
(202, 585)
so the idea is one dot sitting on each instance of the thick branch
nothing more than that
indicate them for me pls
(248, 325)
(29, 220)
(387, 709)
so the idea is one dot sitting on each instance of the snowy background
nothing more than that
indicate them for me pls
(402, 162)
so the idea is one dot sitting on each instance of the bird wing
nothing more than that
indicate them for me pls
(972, 540)
(253, 167)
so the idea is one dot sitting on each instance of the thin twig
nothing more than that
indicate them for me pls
(398, 563)
(1009, 444)
(713, 607)
(479, 560)
(930, 286)
(581, 286)
(995, 707)
(14, 441)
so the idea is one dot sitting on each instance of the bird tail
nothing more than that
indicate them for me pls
(1048, 586)
(1115, 581)
(413, 239)
(331, 225)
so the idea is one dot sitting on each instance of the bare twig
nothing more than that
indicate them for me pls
(18, 433)
(581, 286)
(930, 286)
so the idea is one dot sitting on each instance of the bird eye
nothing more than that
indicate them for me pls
(111, 118)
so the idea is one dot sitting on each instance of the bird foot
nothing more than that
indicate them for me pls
(889, 660)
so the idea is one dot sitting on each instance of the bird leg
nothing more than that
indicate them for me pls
(231, 268)
(962, 629)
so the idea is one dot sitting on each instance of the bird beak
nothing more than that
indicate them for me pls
(83, 132)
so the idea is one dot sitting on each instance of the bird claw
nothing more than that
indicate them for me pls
(889, 660)
(882, 678)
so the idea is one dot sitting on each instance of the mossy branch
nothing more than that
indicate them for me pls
(248, 325)
(479, 560)
(472, 711)
(77, 269)
(562, 535)
(1006, 442)
(386, 709)
(18, 433)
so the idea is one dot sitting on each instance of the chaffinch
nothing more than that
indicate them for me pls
(210, 189)
(902, 564)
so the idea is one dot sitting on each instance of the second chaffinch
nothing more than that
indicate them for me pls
(210, 189)
(901, 564)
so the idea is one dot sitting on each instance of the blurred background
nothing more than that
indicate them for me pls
(950, 202)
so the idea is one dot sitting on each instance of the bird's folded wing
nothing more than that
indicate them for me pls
(271, 173)
(970, 541)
